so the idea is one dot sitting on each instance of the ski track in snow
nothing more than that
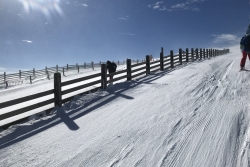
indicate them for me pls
(197, 115)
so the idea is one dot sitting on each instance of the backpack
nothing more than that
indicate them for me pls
(114, 65)
(245, 41)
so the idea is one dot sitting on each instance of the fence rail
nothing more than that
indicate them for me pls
(132, 71)
(7, 80)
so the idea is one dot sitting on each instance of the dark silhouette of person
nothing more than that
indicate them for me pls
(111, 67)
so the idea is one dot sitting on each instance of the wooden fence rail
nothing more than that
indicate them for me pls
(7, 80)
(132, 71)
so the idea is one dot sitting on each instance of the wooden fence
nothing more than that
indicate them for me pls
(7, 80)
(132, 71)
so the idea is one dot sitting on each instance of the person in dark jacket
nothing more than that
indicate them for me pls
(111, 67)
(245, 49)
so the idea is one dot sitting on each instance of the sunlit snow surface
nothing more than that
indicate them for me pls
(196, 115)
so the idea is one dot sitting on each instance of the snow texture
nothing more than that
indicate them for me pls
(195, 115)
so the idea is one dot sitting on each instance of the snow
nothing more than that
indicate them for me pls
(195, 115)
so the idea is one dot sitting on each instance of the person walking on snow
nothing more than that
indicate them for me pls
(111, 67)
(245, 48)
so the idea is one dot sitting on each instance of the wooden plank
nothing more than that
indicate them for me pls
(157, 65)
(115, 73)
(167, 64)
(166, 68)
(153, 62)
(26, 98)
(136, 75)
(177, 58)
(139, 69)
(158, 69)
(80, 87)
(25, 109)
(117, 79)
(80, 79)
(85, 92)
(168, 56)
(168, 60)
(138, 64)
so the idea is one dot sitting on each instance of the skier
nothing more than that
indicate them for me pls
(111, 67)
(245, 48)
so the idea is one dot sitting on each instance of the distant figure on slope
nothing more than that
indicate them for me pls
(245, 48)
(111, 67)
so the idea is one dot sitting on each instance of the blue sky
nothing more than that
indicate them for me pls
(39, 33)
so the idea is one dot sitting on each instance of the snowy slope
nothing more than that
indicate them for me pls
(196, 115)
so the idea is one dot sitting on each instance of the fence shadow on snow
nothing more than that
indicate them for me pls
(118, 90)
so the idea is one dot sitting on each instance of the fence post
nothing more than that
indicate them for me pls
(57, 90)
(20, 74)
(187, 54)
(129, 74)
(6, 84)
(63, 72)
(200, 53)
(197, 54)
(30, 80)
(204, 54)
(161, 59)
(93, 65)
(34, 72)
(104, 76)
(172, 58)
(4, 76)
(147, 64)
(78, 68)
(57, 68)
(180, 56)
(192, 54)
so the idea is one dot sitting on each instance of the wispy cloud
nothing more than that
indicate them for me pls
(80, 4)
(123, 18)
(158, 6)
(225, 39)
(127, 34)
(188, 5)
(28, 41)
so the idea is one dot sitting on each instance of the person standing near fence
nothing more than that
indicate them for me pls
(245, 48)
(111, 67)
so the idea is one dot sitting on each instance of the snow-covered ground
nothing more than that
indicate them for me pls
(196, 115)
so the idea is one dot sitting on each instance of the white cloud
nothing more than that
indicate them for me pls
(28, 41)
(80, 4)
(84, 5)
(128, 34)
(123, 18)
(180, 5)
(158, 6)
(188, 5)
(226, 39)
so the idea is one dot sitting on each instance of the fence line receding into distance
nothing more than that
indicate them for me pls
(100, 79)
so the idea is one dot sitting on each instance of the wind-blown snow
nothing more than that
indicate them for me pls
(196, 115)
